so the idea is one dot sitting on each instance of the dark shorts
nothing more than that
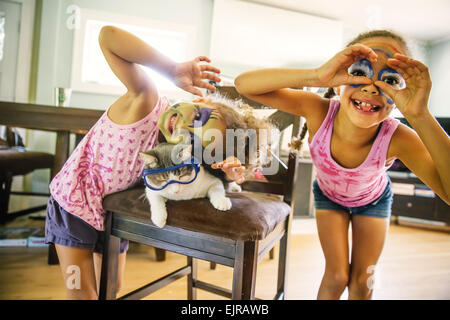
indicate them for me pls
(379, 208)
(66, 229)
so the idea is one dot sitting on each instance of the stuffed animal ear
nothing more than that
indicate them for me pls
(185, 153)
(150, 161)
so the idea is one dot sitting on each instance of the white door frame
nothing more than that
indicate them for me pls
(25, 50)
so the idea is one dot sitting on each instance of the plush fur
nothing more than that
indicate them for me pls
(205, 185)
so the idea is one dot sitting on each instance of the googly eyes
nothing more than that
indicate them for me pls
(393, 78)
(361, 68)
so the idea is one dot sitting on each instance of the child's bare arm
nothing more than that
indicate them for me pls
(426, 153)
(271, 86)
(124, 52)
(407, 146)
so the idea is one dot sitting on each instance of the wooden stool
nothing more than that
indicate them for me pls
(237, 238)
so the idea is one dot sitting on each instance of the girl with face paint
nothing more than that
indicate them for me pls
(353, 141)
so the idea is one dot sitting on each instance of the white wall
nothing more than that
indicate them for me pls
(56, 46)
(439, 66)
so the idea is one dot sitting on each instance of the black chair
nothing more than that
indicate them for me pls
(15, 160)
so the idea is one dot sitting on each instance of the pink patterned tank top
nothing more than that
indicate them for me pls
(105, 161)
(356, 186)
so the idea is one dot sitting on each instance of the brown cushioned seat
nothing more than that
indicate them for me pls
(22, 162)
(252, 216)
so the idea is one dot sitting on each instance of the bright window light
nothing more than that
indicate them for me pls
(91, 72)
(96, 70)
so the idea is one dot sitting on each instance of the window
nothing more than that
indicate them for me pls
(90, 71)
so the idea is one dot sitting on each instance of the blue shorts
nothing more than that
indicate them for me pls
(379, 208)
(66, 229)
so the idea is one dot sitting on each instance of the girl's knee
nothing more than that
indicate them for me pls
(361, 284)
(337, 279)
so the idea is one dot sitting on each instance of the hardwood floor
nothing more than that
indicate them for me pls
(415, 264)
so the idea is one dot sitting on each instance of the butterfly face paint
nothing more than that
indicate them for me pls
(191, 117)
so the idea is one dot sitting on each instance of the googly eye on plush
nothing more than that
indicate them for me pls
(361, 68)
(393, 78)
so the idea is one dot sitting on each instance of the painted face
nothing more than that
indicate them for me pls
(197, 118)
(367, 104)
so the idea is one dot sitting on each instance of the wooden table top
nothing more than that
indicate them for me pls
(48, 118)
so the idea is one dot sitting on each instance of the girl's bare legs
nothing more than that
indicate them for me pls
(120, 272)
(368, 238)
(333, 234)
(81, 271)
(77, 267)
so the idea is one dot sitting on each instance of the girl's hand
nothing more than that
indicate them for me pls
(335, 71)
(413, 100)
(189, 75)
(233, 169)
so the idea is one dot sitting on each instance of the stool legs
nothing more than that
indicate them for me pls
(110, 263)
(192, 291)
(160, 254)
(244, 272)
(5, 191)
(282, 268)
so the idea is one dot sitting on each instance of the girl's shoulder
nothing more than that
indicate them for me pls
(132, 107)
(403, 136)
(318, 115)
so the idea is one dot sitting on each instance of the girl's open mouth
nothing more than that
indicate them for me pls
(171, 122)
(365, 106)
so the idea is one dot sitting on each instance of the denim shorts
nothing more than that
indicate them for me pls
(66, 229)
(379, 208)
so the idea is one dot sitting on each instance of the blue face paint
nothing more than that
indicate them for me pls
(392, 78)
(385, 52)
(361, 68)
(202, 116)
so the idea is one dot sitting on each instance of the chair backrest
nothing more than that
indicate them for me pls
(10, 137)
(282, 183)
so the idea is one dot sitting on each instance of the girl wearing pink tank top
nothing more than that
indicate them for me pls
(353, 141)
(107, 161)
(351, 187)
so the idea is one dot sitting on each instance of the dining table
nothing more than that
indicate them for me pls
(61, 120)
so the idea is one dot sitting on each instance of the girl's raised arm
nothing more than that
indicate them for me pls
(124, 52)
(271, 86)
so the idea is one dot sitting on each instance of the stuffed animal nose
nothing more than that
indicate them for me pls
(175, 188)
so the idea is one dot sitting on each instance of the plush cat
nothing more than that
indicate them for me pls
(195, 183)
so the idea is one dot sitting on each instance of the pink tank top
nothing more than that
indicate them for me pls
(105, 161)
(357, 186)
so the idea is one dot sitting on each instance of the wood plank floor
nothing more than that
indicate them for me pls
(415, 264)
